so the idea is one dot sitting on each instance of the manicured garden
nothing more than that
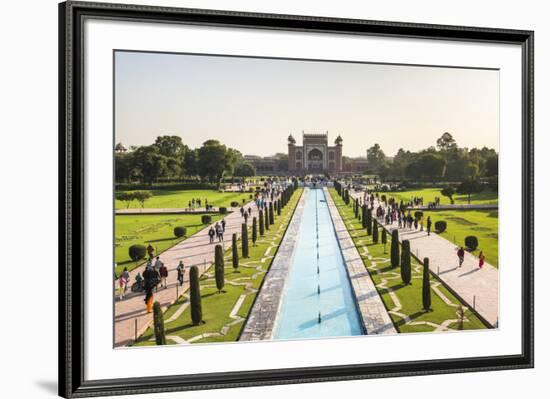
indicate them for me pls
(404, 301)
(167, 198)
(429, 194)
(157, 230)
(242, 282)
(462, 223)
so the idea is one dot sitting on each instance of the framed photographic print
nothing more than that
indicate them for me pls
(251, 199)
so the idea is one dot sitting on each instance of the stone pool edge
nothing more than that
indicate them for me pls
(374, 315)
(261, 319)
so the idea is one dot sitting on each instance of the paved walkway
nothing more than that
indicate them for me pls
(130, 313)
(476, 287)
(374, 315)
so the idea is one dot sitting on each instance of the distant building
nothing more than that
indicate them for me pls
(265, 165)
(315, 155)
(355, 165)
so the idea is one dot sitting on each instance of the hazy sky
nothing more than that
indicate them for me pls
(254, 104)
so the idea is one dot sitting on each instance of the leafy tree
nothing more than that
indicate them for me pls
(376, 158)
(446, 142)
(244, 240)
(244, 170)
(471, 170)
(191, 165)
(234, 252)
(150, 163)
(170, 146)
(213, 161)
(219, 267)
(142, 196)
(254, 231)
(158, 323)
(448, 192)
(406, 261)
(395, 248)
(491, 166)
(427, 166)
(426, 291)
(469, 187)
(195, 295)
(126, 196)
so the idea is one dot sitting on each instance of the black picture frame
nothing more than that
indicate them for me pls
(71, 199)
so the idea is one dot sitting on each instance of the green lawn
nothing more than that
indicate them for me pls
(388, 280)
(216, 307)
(429, 194)
(180, 198)
(482, 224)
(157, 230)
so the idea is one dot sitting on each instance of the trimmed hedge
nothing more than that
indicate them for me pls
(195, 295)
(137, 252)
(219, 267)
(206, 219)
(406, 262)
(395, 248)
(180, 231)
(418, 214)
(234, 204)
(158, 323)
(426, 290)
(471, 242)
(440, 226)
(223, 210)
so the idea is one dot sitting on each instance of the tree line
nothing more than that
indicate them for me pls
(169, 158)
(446, 160)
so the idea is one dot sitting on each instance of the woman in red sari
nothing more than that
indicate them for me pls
(481, 259)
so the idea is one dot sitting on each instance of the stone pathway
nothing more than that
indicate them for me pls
(374, 315)
(131, 317)
(261, 319)
(162, 211)
(479, 288)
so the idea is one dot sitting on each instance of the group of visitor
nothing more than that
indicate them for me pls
(461, 253)
(197, 203)
(217, 231)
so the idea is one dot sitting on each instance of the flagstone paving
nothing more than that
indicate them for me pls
(131, 318)
(478, 287)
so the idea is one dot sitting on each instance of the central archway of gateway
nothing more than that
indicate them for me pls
(315, 160)
(317, 300)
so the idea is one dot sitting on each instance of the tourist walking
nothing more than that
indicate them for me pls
(481, 259)
(150, 251)
(211, 234)
(181, 272)
(223, 225)
(150, 281)
(429, 225)
(163, 272)
(460, 254)
(122, 284)
(242, 211)
(219, 232)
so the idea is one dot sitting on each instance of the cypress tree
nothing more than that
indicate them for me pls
(195, 295)
(219, 267)
(375, 232)
(244, 240)
(384, 238)
(234, 252)
(274, 206)
(369, 222)
(254, 231)
(406, 262)
(395, 248)
(364, 216)
(158, 322)
(266, 219)
(261, 220)
(279, 207)
(426, 292)
(271, 215)
(356, 210)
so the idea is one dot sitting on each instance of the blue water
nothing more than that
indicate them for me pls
(308, 293)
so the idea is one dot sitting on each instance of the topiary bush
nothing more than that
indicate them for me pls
(426, 291)
(406, 262)
(440, 226)
(195, 295)
(244, 240)
(261, 222)
(395, 248)
(234, 204)
(234, 252)
(223, 210)
(137, 252)
(375, 232)
(254, 230)
(471, 242)
(219, 267)
(158, 323)
(418, 214)
(206, 219)
(180, 231)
